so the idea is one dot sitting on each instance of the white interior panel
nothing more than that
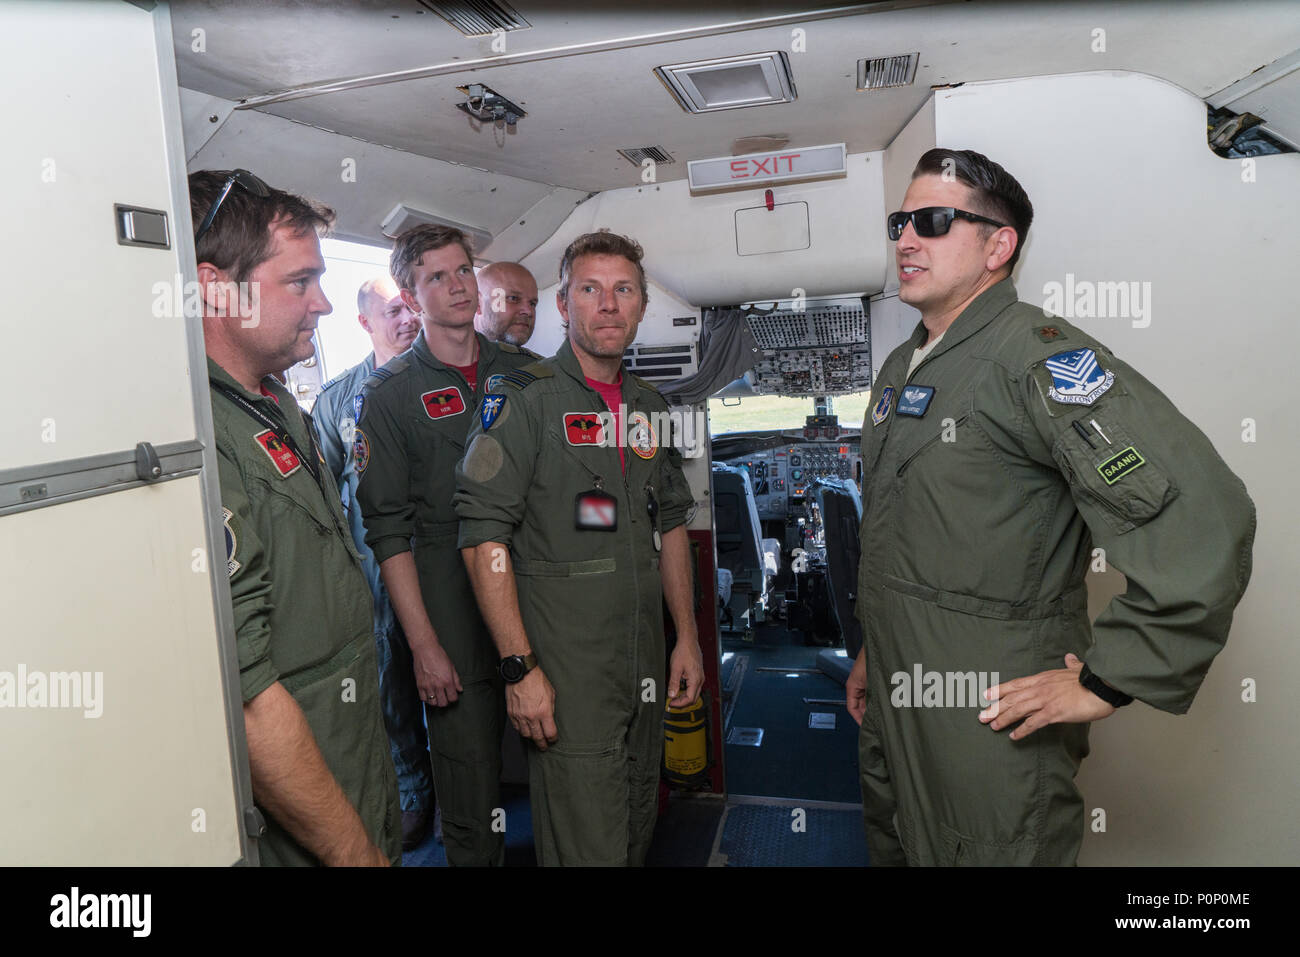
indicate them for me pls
(84, 130)
(1125, 189)
(125, 787)
(783, 228)
(690, 241)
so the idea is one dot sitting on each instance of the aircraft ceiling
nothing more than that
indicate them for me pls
(584, 105)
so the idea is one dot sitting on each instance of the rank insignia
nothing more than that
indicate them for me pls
(360, 451)
(1077, 378)
(641, 436)
(441, 403)
(232, 543)
(1049, 333)
(915, 399)
(493, 403)
(583, 428)
(281, 456)
(880, 411)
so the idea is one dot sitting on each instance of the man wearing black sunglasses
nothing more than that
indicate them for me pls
(1002, 445)
(317, 750)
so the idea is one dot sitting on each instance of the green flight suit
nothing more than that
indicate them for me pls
(301, 605)
(410, 434)
(591, 599)
(980, 517)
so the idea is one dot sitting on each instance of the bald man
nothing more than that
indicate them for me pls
(392, 328)
(507, 303)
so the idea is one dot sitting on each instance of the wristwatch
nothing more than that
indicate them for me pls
(514, 667)
(1114, 698)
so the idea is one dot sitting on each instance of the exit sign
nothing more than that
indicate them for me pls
(763, 169)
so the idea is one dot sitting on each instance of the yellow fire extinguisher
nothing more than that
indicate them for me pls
(686, 744)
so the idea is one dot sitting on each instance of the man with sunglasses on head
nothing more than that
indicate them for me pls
(1000, 447)
(317, 751)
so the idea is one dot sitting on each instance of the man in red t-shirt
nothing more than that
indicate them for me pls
(412, 417)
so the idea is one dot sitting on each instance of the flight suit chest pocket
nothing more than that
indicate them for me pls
(917, 438)
(1108, 466)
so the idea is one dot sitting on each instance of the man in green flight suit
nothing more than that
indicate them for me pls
(1001, 447)
(392, 328)
(317, 750)
(411, 421)
(573, 513)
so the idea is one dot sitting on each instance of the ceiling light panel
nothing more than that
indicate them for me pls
(730, 83)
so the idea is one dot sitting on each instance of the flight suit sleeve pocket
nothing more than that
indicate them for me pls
(1107, 466)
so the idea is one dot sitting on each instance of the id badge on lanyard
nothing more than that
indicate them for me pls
(595, 510)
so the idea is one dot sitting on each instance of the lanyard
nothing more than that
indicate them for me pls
(311, 464)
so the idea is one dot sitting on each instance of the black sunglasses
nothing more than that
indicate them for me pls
(245, 179)
(932, 221)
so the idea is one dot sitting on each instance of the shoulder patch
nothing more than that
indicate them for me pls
(493, 404)
(1077, 377)
(360, 451)
(232, 543)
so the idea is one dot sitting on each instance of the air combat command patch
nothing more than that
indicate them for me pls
(1077, 378)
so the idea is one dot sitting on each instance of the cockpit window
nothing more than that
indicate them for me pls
(754, 413)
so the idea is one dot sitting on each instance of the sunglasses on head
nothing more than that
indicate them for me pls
(245, 179)
(932, 221)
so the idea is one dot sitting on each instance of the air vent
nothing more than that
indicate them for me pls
(883, 73)
(637, 155)
(477, 18)
(661, 363)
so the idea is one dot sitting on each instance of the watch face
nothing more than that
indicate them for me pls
(512, 668)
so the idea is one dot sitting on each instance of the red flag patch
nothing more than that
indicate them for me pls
(281, 456)
(441, 403)
(583, 428)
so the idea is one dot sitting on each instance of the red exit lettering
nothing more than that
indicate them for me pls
(771, 166)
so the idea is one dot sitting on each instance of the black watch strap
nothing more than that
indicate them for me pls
(1116, 699)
